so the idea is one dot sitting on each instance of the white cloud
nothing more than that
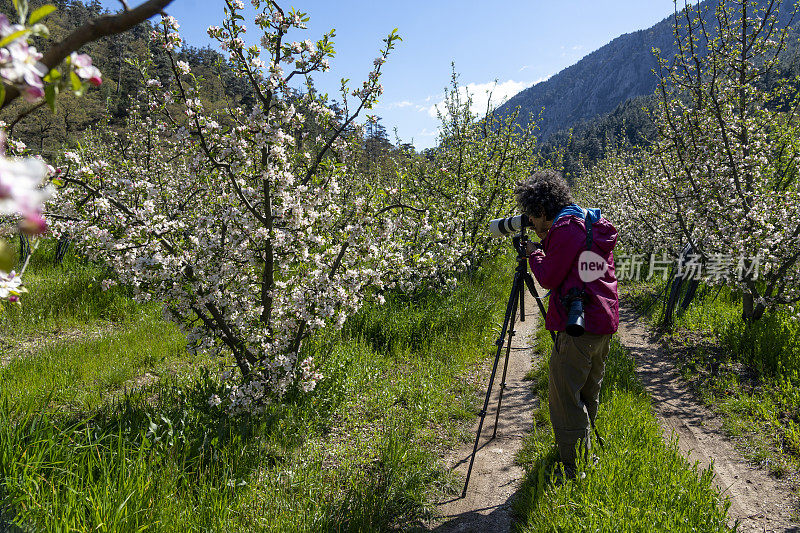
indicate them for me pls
(394, 105)
(427, 133)
(481, 94)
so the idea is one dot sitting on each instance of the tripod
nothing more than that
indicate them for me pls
(516, 300)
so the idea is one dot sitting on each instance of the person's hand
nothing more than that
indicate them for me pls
(530, 247)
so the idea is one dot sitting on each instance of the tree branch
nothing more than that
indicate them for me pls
(399, 206)
(23, 115)
(92, 31)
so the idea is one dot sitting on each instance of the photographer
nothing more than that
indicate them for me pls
(577, 363)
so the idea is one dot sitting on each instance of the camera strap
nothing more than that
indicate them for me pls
(588, 223)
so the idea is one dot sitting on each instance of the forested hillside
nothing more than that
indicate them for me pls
(117, 58)
(579, 145)
(598, 83)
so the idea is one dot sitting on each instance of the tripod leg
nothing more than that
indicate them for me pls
(532, 288)
(511, 334)
(510, 309)
(534, 292)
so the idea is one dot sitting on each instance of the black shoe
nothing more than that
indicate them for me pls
(563, 473)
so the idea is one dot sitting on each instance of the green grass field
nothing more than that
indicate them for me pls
(640, 482)
(104, 420)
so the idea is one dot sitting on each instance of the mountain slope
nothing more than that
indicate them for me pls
(598, 83)
(601, 81)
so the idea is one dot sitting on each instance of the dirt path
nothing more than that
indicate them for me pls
(27, 345)
(495, 477)
(758, 501)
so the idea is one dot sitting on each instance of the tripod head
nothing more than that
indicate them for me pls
(520, 242)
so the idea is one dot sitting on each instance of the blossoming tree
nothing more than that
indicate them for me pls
(250, 228)
(730, 145)
(723, 176)
(444, 203)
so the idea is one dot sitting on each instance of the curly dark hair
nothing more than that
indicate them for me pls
(544, 192)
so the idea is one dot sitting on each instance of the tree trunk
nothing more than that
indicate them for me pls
(752, 307)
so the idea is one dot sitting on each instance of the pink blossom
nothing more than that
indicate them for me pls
(10, 284)
(33, 224)
(82, 64)
(21, 183)
(32, 93)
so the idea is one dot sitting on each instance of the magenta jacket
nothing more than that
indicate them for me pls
(556, 269)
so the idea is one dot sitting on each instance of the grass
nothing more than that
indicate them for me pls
(105, 424)
(81, 448)
(73, 343)
(82, 372)
(64, 298)
(749, 373)
(640, 483)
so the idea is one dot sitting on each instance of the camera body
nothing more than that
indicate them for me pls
(573, 302)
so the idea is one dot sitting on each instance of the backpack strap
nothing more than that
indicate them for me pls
(588, 223)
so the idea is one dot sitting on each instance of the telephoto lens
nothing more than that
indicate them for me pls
(508, 226)
(573, 301)
(575, 324)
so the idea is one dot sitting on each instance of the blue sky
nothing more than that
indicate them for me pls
(516, 43)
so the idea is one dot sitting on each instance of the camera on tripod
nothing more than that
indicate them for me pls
(516, 303)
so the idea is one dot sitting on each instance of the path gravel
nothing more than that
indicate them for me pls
(495, 476)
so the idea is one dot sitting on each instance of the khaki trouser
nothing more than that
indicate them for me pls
(577, 365)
